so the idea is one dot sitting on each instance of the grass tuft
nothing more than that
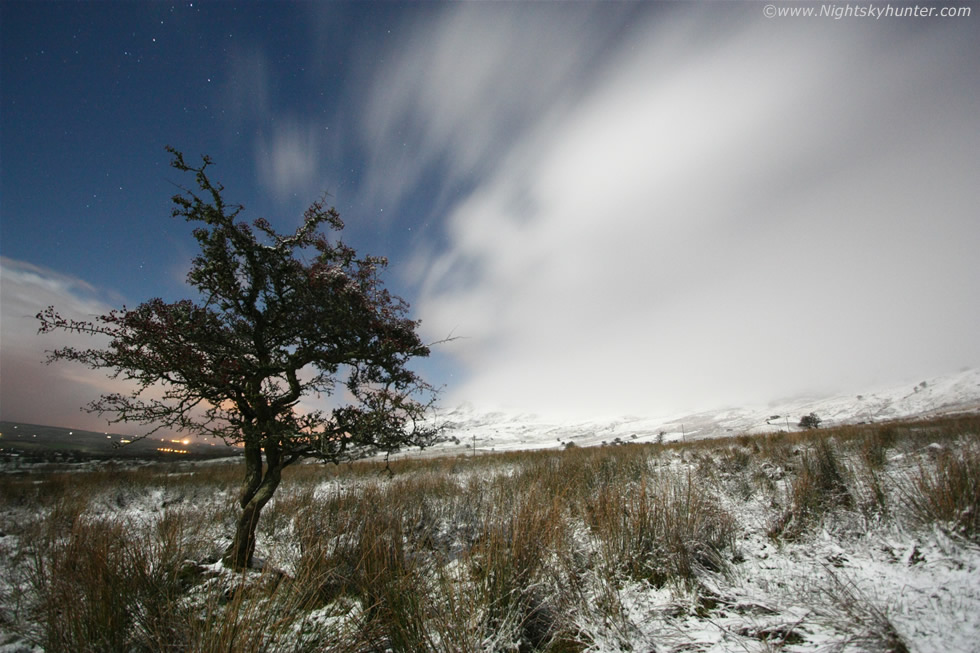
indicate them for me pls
(670, 531)
(818, 490)
(947, 492)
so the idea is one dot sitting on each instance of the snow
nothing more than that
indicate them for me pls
(499, 431)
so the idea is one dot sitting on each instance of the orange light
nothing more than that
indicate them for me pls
(169, 450)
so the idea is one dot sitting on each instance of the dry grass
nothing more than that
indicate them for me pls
(516, 551)
(669, 531)
(946, 491)
(818, 490)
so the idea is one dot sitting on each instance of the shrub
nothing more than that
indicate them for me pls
(810, 421)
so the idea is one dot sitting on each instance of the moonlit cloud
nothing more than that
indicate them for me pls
(33, 391)
(456, 86)
(717, 208)
(287, 148)
(287, 159)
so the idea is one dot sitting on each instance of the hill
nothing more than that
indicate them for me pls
(53, 443)
(499, 431)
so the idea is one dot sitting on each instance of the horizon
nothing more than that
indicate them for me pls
(724, 420)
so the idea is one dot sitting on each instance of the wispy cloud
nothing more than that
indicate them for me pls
(453, 91)
(32, 390)
(286, 148)
(709, 208)
(287, 159)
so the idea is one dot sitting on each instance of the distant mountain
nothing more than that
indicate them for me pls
(484, 431)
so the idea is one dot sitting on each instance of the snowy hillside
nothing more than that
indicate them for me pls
(497, 431)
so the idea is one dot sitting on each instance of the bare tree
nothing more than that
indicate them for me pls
(281, 317)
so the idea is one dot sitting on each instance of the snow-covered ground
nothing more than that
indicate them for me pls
(856, 580)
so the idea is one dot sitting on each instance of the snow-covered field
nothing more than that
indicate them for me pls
(856, 538)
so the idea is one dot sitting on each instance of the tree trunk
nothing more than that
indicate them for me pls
(255, 495)
(239, 553)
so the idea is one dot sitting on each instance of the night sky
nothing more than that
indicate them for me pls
(620, 208)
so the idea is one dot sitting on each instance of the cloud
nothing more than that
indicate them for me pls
(286, 148)
(716, 208)
(288, 158)
(33, 391)
(455, 88)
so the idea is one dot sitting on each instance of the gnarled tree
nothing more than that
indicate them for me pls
(280, 318)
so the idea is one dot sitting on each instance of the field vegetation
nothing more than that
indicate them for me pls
(863, 538)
